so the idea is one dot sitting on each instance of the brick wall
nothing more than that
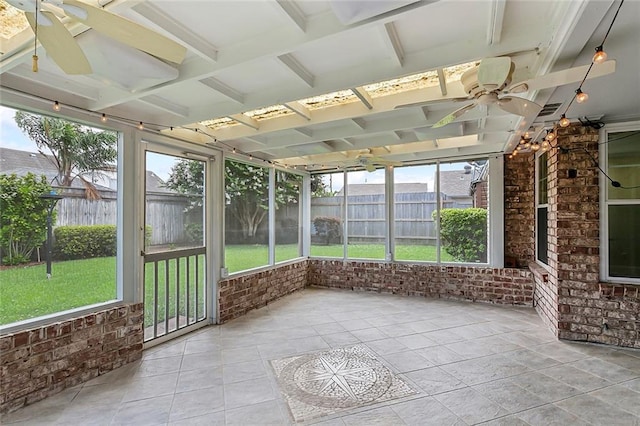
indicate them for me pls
(242, 294)
(519, 213)
(504, 286)
(42, 361)
(569, 296)
(588, 310)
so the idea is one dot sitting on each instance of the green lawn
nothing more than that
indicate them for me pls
(26, 293)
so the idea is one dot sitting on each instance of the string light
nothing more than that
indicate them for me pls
(56, 106)
(600, 56)
(581, 96)
(103, 118)
(140, 126)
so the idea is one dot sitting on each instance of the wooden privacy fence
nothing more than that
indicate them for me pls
(366, 215)
(165, 213)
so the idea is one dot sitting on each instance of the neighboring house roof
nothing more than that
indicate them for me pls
(155, 184)
(14, 161)
(378, 188)
(455, 183)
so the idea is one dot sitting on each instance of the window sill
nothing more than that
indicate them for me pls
(540, 272)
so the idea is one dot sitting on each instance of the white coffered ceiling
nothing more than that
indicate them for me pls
(245, 55)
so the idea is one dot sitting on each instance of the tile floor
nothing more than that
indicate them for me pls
(471, 363)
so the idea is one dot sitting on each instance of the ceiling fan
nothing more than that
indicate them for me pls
(370, 161)
(67, 53)
(490, 83)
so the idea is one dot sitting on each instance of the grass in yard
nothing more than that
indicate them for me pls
(422, 253)
(26, 293)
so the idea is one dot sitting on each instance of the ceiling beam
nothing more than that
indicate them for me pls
(442, 80)
(166, 105)
(292, 63)
(185, 36)
(222, 88)
(307, 132)
(494, 29)
(364, 97)
(360, 123)
(244, 120)
(299, 109)
(293, 11)
(393, 43)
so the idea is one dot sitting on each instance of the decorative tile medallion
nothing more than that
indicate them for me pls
(326, 382)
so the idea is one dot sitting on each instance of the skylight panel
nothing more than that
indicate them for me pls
(12, 20)
(403, 84)
(268, 112)
(329, 99)
(219, 123)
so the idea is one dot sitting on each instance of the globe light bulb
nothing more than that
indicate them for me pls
(56, 106)
(103, 118)
(581, 96)
(550, 136)
(141, 126)
(600, 56)
(535, 147)
(564, 121)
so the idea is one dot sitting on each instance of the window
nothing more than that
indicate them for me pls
(246, 216)
(288, 211)
(72, 173)
(463, 211)
(366, 218)
(415, 208)
(327, 215)
(622, 204)
(542, 176)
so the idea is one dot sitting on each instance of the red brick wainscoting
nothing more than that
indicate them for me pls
(239, 295)
(40, 362)
(602, 313)
(504, 286)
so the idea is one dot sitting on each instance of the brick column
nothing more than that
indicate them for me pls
(574, 243)
(519, 215)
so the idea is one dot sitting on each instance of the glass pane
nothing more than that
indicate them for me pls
(327, 207)
(414, 207)
(542, 237)
(246, 216)
(463, 214)
(624, 241)
(624, 164)
(366, 215)
(288, 216)
(174, 203)
(543, 177)
(73, 208)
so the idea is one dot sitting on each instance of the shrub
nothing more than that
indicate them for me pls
(328, 229)
(23, 216)
(464, 232)
(83, 242)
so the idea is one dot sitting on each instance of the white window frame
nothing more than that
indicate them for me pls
(539, 206)
(605, 203)
(127, 263)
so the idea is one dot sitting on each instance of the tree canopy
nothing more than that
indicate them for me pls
(75, 149)
(246, 189)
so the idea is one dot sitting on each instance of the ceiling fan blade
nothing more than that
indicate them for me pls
(519, 106)
(437, 101)
(494, 72)
(455, 114)
(125, 31)
(60, 44)
(559, 78)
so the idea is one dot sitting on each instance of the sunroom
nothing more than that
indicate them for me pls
(275, 163)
